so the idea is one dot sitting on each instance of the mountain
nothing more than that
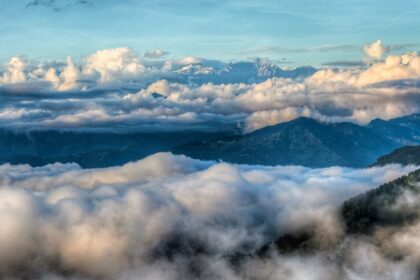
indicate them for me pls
(377, 208)
(308, 142)
(406, 155)
(302, 141)
(89, 149)
(361, 215)
(239, 72)
(404, 130)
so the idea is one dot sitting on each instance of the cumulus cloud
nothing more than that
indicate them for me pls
(69, 76)
(14, 71)
(394, 68)
(374, 51)
(113, 65)
(129, 85)
(209, 106)
(171, 217)
(104, 68)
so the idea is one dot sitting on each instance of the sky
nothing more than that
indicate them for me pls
(157, 66)
(302, 32)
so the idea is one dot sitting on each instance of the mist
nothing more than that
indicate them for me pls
(172, 217)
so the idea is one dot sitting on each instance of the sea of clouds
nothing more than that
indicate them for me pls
(172, 217)
(117, 88)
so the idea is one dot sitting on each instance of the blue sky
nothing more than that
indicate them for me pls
(302, 32)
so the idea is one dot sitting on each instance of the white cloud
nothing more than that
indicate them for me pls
(119, 66)
(359, 95)
(113, 65)
(69, 76)
(14, 71)
(190, 60)
(154, 54)
(109, 67)
(119, 221)
(212, 106)
(375, 51)
(394, 68)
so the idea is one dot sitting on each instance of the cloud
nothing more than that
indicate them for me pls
(113, 65)
(122, 66)
(155, 54)
(209, 106)
(69, 76)
(373, 48)
(14, 71)
(395, 67)
(128, 84)
(58, 5)
(316, 49)
(344, 63)
(375, 51)
(171, 217)
(190, 60)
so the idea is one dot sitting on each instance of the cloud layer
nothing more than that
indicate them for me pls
(167, 105)
(116, 87)
(161, 217)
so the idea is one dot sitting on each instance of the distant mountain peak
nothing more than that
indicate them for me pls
(196, 69)
(239, 72)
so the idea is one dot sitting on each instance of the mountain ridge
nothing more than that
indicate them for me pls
(239, 72)
(363, 213)
(405, 155)
(305, 141)
(302, 141)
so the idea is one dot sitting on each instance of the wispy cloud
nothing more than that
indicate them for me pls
(58, 5)
(316, 49)
(153, 54)
(344, 63)
(321, 49)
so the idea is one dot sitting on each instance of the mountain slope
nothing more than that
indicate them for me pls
(88, 149)
(302, 141)
(403, 130)
(406, 155)
(377, 208)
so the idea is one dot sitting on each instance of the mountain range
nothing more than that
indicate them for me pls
(89, 149)
(302, 141)
(376, 208)
(406, 155)
(238, 72)
(309, 142)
